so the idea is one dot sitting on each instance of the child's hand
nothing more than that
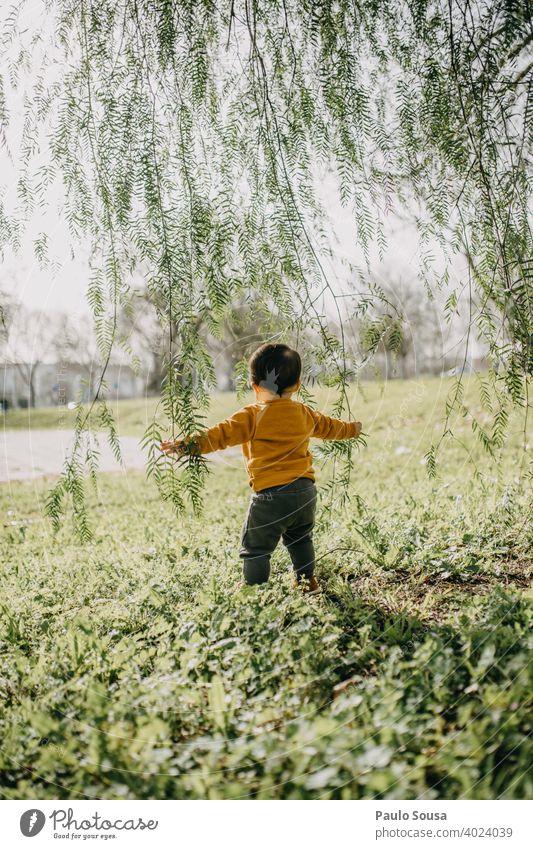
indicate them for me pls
(358, 429)
(172, 446)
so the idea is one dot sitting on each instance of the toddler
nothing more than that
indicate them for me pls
(274, 433)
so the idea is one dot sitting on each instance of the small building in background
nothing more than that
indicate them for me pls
(56, 384)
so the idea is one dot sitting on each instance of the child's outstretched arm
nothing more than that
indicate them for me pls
(233, 431)
(328, 428)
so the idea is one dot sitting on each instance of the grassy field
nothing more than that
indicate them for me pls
(135, 666)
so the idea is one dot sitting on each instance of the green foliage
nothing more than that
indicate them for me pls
(189, 138)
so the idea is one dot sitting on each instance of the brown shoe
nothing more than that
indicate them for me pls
(308, 586)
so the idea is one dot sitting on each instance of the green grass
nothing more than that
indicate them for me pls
(135, 666)
(390, 407)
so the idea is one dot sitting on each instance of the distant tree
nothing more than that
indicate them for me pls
(139, 325)
(74, 344)
(27, 337)
(403, 326)
(248, 324)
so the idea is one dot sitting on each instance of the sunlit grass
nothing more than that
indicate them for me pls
(135, 666)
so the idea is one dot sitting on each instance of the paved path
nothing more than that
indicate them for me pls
(26, 454)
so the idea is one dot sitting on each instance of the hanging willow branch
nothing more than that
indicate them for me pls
(189, 134)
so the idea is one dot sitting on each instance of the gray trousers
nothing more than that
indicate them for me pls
(286, 512)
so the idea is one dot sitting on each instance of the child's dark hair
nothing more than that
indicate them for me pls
(275, 367)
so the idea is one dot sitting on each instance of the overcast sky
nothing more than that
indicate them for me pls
(63, 284)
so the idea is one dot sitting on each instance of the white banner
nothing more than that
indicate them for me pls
(268, 825)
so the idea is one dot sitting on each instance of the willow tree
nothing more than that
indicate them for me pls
(188, 135)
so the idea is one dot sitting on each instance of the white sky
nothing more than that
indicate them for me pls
(63, 284)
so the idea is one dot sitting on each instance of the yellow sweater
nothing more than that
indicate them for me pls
(275, 438)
